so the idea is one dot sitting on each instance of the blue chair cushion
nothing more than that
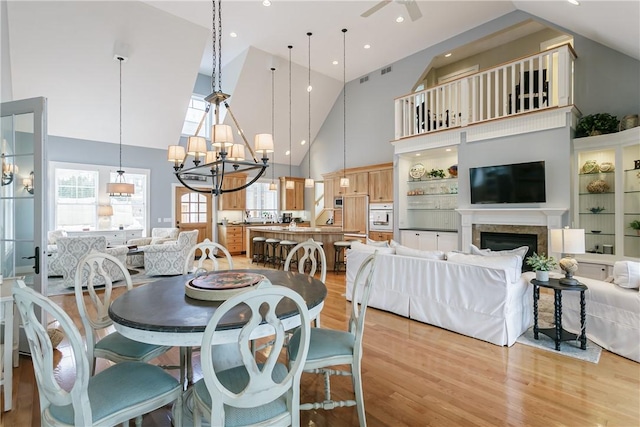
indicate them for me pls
(323, 343)
(236, 380)
(119, 387)
(127, 348)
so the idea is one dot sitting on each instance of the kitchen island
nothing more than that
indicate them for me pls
(326, 235)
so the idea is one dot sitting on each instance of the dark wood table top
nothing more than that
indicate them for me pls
(556, 285)
(161, 313)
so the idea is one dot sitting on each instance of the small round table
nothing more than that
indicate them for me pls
(557, 333)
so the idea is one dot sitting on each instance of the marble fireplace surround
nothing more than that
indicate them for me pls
(518, 221)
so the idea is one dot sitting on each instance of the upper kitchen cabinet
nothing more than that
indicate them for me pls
(292, 199)
(236, 200)
(381, 185)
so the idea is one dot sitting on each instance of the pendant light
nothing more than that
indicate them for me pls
(120, 188)
(272, 186)
(289, 184)
(308, 183)
(344, 181)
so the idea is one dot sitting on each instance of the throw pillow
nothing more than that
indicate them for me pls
(382, 244)
(53, 236)
(406, 251)
(511, 263)
(521, 252)
(357, 246)
(393, 244)
(626, 274)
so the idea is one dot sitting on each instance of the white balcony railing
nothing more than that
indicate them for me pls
(510, 89)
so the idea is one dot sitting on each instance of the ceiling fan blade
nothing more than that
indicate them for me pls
(375, 8)
(413, 9)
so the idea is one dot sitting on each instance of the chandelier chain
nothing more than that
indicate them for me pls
(290, 134)
(344, 102)
(309, 91)
(213, 45)
(120, 171)
(220, 45)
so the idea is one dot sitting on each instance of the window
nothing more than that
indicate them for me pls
(195, 110)
(79, 189)
(262, 203)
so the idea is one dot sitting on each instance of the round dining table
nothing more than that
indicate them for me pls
(161, 313)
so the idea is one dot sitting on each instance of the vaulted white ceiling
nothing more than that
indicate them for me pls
(64, 51)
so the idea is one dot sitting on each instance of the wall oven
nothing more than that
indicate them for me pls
(381, 217)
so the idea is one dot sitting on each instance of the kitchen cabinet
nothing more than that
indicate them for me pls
(232, 238)
(355, 213)
(429, 240)
(381, 186)
(380, 236)
(607, 193)
(328, 193)
(292, 200)
(358, 183)
(237, 200)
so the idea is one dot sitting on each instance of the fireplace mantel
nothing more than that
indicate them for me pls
(545, 217)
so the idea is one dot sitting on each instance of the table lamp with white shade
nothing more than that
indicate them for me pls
(105, 212)
(568, 242)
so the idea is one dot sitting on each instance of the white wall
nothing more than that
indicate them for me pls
(6, 92)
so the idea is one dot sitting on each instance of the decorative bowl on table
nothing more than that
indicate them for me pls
(220, 285)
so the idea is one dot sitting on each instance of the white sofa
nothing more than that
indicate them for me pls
(613, 313)
(491, 304)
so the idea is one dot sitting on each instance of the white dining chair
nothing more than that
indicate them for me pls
(117, 394)
(329, 348)
(253, 393)
(95, 268)
(208, 251)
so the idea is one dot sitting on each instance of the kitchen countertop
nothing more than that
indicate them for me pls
(302, 230)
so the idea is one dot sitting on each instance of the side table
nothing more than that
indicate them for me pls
(557, 333)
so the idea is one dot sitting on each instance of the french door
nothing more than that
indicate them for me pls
(23, 125)
(193, 212)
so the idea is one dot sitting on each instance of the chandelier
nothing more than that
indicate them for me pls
(224, 157)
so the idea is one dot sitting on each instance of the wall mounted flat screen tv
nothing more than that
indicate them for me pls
(514, 183)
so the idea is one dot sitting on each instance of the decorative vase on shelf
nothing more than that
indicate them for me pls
(542, 276)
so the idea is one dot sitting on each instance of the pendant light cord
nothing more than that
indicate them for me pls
(344, 102)
(120, 171)
(273, 120)
(290, 135)
(309, 91)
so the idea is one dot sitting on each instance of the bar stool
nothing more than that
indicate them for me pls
(285, 247)
(339, 259)
(258, 249)
(271, 252)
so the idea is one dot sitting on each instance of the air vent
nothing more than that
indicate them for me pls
(364, 79)
(385, 70)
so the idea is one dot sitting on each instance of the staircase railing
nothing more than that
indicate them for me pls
(532, 83)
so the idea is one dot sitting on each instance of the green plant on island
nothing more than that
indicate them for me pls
(635, 224)
(541, 262)
(597, 124)
(436, 173)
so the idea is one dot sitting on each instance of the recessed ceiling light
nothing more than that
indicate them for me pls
(574, 2)
(335, 62)
(287, 153)
(417, 154)
(447, 55)
(232, 34)
(448, 149)
(266, 3)
(367, 46)
(309, 88)
(303, 142)
(399, 19)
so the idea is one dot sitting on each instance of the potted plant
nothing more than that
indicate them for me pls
(436, 173)
(541, 264)
(597, 124)
(635, 224)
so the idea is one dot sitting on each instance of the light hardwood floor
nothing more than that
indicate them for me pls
(419, 375)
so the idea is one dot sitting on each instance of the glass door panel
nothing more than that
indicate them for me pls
(631, 202)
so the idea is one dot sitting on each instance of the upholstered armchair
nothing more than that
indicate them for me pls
(158, 236)
(54, 266)
(72, 249)
(169, 258)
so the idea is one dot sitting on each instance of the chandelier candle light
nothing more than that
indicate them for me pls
(568, 242)
(120, 188)
(225, 157)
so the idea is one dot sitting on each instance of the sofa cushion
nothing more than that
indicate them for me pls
(382, 244)
(626, 274)
(521, 252)
(355, 245)
(512, 264)
(53, 236)
(406, 251)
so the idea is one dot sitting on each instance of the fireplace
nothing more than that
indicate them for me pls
(506, 241)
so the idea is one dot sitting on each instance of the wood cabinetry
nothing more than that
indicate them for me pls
(237, 200)
(429, 240)
(380, 236)
(358, 183)
(292, 200)
(232, 238)
(328, 193)
(354, 213)
(381, 186)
